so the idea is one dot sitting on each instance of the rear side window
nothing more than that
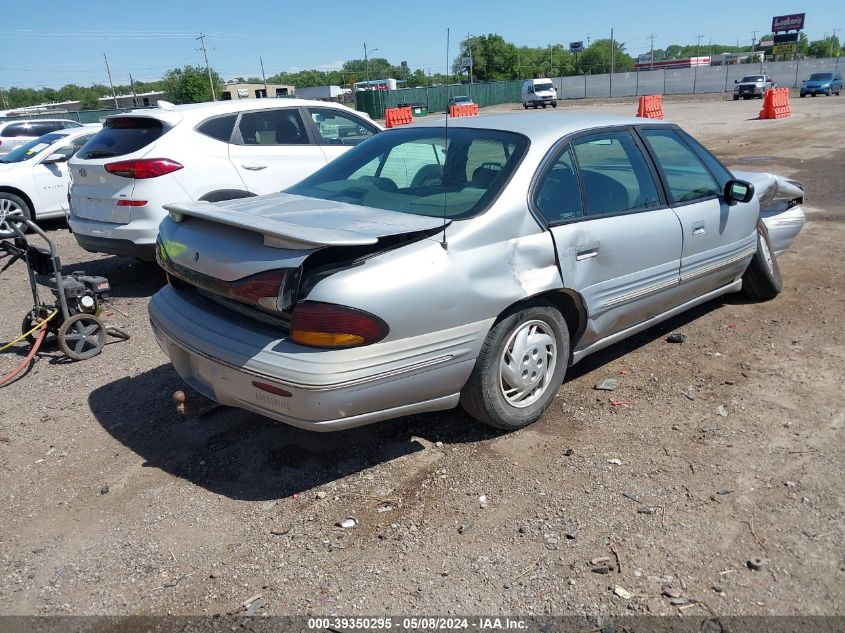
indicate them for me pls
(219, 127)
(122, 135)
(559, 194)
(272, 127)
(16, 129)
(71, 124)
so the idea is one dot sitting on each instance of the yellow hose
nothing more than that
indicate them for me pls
(23, 336)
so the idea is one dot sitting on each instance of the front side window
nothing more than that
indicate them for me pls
(686, 176)
(719, 171)
(74, 146)
(272, 127)
(71, 124)
(340, 128)
(558, 195)
(614, 173)
(417, 171)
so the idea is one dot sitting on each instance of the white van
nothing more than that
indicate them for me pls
(539, 92)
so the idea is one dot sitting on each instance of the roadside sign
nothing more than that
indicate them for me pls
(784, 49)
(576, 47)
(466, 62)
(783, 38)
(644, 58)
(794, 22)
(767, 43)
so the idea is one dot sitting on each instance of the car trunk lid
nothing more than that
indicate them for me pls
(203, 243)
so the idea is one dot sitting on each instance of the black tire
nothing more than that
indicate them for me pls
(525, 105)
(31, 320)
(82, 336)
(12, 206)
(483, 395)
(762, 280)
(802, 95)
(554, 105)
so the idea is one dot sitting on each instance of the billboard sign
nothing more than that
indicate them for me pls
(784, 49)
(576, 47)
(767, 43)
(783, 38)
(644, 58)
(794, 22)
(466, 62)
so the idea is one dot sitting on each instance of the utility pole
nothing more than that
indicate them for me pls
(551, 72)
(651, 37)
(588, 40)
(108, 71)
(612, 62)
(367, 66)
(134, 94)
(697, 56)
(469, 39)
(2, 99)
(263, 76)
(831, 43)
(201, 38)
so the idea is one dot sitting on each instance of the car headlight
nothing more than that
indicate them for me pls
(826, 85)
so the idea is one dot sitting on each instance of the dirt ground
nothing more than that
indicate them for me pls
(112, 504)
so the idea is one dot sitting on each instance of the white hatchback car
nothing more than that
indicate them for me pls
(34, 177)
(145, 159)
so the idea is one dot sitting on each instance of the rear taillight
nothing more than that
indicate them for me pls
(123, 202)
(261, 289)
(318, 324)
(143, 168)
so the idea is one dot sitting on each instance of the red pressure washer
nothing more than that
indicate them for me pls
(74, 317)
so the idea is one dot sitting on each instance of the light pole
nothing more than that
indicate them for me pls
(367, 64)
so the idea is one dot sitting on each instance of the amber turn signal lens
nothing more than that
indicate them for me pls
(327, 325)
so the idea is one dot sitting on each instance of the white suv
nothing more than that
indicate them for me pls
(145, 159)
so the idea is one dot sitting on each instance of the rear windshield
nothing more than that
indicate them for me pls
(122, 135)
(417, 171)
(821, 76)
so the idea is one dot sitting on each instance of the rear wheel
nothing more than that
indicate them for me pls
(762, 280)
(519, 369)
(13, 210)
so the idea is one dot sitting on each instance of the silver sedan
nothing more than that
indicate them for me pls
(432, 266)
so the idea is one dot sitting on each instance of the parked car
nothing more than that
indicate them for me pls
(822, 84)
(412, 274)
(17, 132)
(34, 177)
(459, 100)
(539, 93)
(142, 160)
(752, 86)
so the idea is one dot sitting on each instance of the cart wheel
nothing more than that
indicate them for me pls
(82, 336)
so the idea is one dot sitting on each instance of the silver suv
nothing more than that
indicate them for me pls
(18, 132)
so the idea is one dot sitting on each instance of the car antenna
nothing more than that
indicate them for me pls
(446, 143)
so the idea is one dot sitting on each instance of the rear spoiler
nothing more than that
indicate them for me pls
(277, 233)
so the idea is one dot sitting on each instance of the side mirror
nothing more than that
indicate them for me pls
(55, 158)
(736, 81)
(738, 191)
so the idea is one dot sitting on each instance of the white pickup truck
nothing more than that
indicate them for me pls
(752, 86)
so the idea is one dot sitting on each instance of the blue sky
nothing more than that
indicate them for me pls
(63, 42)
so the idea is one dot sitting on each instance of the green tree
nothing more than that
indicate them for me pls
(596, 59)
(190, 84)
(827, 47)
(493, 59)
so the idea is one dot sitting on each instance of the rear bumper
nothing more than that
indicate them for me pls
(124, 248)
(136, 239)
(330, 389)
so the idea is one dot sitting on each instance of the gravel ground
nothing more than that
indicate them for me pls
(728, 448)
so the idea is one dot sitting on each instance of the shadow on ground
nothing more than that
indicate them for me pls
(245, 456)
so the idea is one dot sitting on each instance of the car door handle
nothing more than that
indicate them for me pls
(586, 251)
(254, 166)
(698, 228)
